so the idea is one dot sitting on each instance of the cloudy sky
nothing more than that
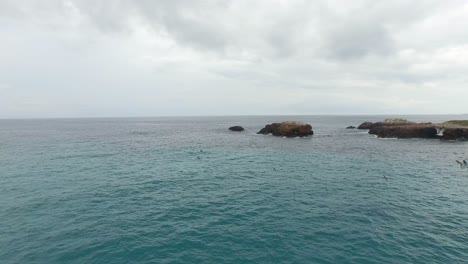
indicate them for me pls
(81, 58)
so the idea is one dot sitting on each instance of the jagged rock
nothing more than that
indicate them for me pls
(287, 129)
(236, 128)
(350, 127)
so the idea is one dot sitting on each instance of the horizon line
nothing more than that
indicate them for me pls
(241, 115)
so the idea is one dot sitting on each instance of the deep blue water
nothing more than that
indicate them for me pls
(186, 190)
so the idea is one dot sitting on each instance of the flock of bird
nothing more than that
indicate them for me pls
(463, 164)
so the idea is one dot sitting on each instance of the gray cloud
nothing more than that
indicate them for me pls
(352, 40)
(122, 57)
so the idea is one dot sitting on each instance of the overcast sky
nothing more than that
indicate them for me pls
(93, 58)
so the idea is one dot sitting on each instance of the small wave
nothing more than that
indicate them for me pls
(84, 156)
(141, 133)
(387, 138)
(322, 136)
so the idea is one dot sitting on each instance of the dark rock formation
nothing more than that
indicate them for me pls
(455, 134)
(370, 125)
(351, 127)
(402, 128)
(268, 129)
(386, 122)
(287, 129)
(405, 131)
(366, 125)
(236, 128)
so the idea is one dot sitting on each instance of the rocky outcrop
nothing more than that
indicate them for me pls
(236, 128)
(401, 128)
(455, 134)
(386, 122)
(287, 129)
(350, 127)
(366, 125)
(405, 131)
(370, 125)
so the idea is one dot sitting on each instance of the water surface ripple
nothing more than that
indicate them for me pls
(186, 190)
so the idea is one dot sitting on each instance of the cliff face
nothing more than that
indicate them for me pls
(287, 129)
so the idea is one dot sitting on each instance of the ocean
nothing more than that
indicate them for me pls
(187, 190)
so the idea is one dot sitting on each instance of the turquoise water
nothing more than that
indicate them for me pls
(186, 190)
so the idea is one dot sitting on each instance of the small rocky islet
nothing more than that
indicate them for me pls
(236, 129)
(288, 129)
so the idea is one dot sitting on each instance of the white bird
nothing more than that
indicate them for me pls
(463, 164)
(385, 178)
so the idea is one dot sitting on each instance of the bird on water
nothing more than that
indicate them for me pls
(385, 178)
(462, 164)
